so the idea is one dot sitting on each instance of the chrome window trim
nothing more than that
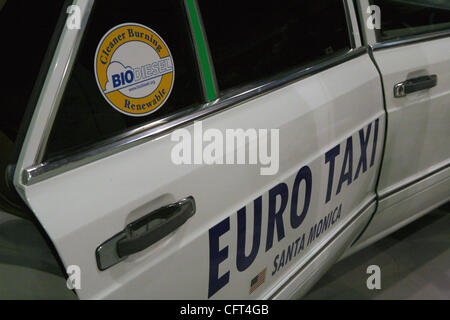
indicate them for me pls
(368, 36)
(411, 39)
(38, 131)
(353, 16)
(348, 19)
(65, 77)
(165, 125)
(350, 26)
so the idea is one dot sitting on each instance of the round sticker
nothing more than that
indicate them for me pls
(134, 69)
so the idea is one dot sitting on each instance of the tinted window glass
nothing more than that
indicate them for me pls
(25, 53)
(26, 32)
(412, 17)
(84, 116)
(253, 40)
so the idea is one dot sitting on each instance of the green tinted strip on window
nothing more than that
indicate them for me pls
(202, 52)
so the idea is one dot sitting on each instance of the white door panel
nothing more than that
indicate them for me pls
(303, 281)
(419, 124)
(336, 108)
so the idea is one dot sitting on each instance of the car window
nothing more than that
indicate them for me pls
(88, 114)
(402, 18)
(26, 37)
(28, 41)
(254, 40)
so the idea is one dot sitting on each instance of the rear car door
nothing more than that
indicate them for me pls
(142, 209)
(411, 49)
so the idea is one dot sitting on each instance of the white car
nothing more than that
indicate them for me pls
(101, 98)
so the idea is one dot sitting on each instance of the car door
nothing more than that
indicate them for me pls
(140, 208)
(411, 49)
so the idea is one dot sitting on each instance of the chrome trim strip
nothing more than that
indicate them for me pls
(354, 22)
(399, 90)
(47, 105)
(348, 19)
(157, 128)
(384, 195)
(411, 39)
(62, 85)
(367, 35)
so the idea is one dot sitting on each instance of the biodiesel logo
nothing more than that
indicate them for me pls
(134, 69)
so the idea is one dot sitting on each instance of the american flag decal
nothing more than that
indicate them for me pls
(258, 280)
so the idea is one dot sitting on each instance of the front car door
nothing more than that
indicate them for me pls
(299, 86)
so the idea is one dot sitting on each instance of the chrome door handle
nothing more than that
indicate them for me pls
(412, 85)
(144, 232)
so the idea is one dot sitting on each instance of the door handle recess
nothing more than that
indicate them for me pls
(142, 233)
(412, 85)
(151, 228)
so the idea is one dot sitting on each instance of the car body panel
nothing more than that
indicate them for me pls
(332, 131)
(419, 145)
(82, 208)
